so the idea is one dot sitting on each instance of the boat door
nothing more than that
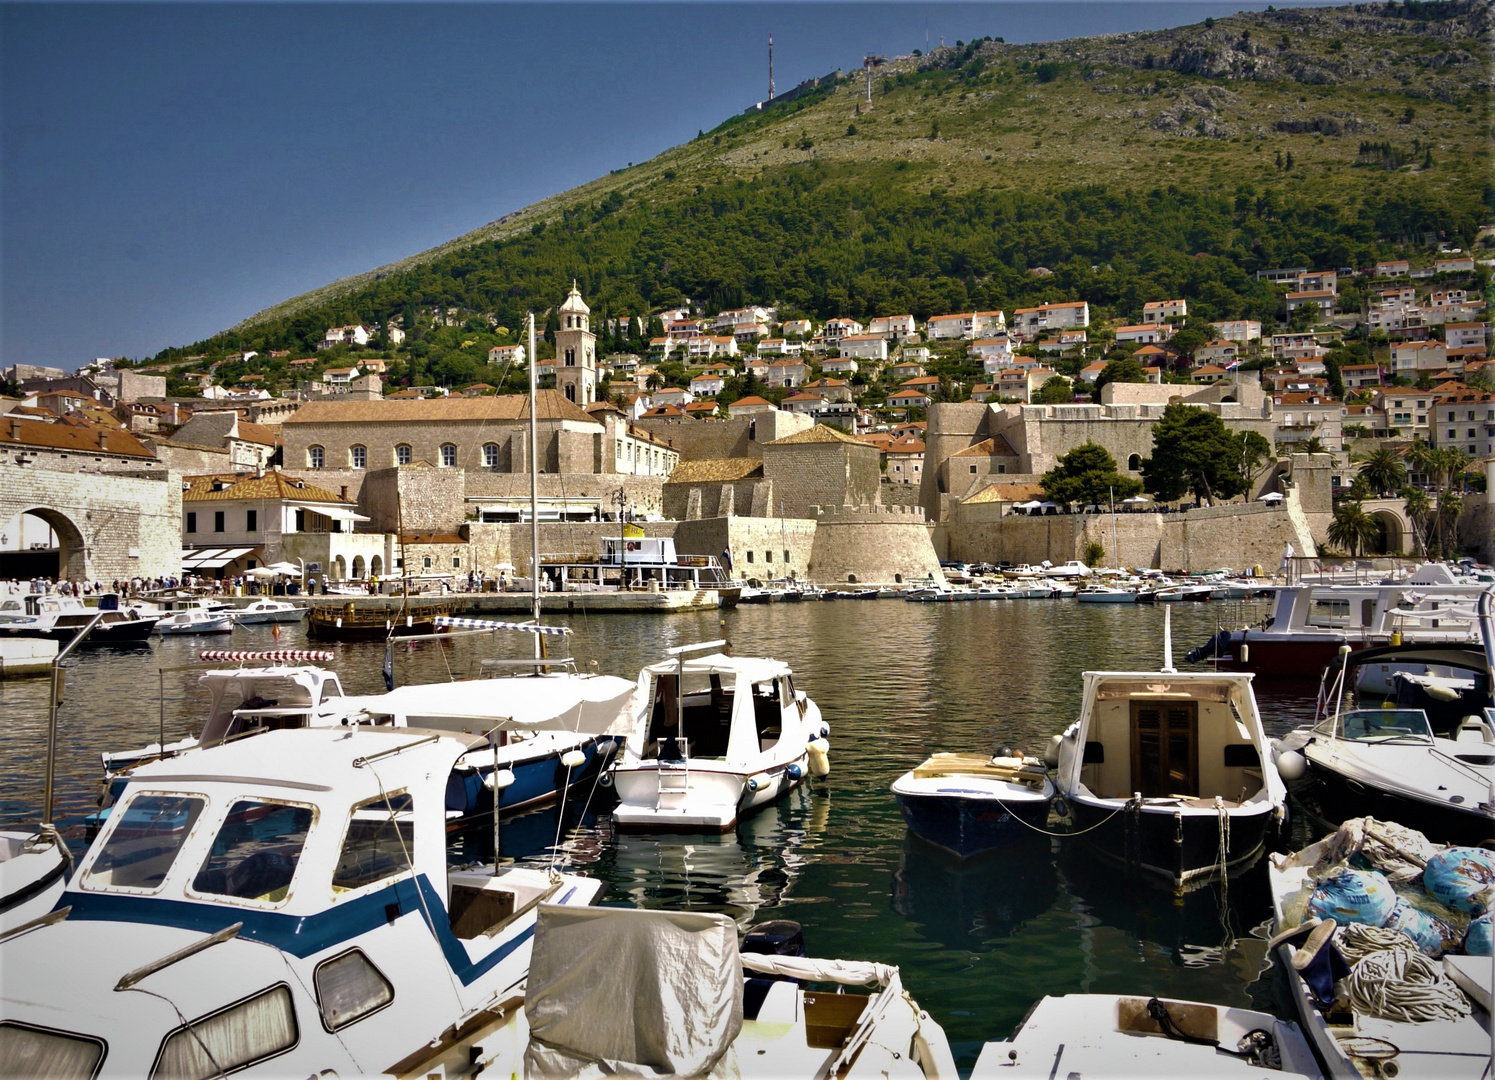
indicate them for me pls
(1165, 748)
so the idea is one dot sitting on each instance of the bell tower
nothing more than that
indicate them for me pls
(576, 351)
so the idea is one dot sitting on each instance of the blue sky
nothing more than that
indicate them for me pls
(170, 169)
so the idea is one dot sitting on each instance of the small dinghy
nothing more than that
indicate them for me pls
(715, 737)
(202, 617)
(969, 804)
(631, 993)
(1106, 1035)
(33, 872)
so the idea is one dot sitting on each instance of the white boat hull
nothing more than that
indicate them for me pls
(712, 801)
(31, 879)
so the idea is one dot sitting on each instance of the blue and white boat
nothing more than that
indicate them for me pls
(280, 905)
(970, 804)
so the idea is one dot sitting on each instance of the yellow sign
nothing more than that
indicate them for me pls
(633, 532)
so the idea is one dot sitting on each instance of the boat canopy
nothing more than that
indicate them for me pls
(581, 704)
(753, 668)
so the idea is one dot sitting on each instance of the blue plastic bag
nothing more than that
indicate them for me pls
(1354, 896)
(1432, 935)
(1460, 878)
(1477, 939)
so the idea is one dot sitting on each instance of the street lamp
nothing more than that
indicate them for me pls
(620, 498)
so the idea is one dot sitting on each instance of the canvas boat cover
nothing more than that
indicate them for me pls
(618, 992)
(581, 704)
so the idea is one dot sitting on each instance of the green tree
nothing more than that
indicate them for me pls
(1255, 451)
(1419, 507)
(1352, 529)
(1056, 391)
(1193, 452)
(1384, 470)
(1088, 474)
(1125, 369)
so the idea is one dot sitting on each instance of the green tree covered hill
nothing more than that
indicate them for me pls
(1116, 169)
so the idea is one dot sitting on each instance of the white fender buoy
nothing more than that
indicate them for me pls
(1291, 765)
(573, 759)
(500, 779)
(759, 781)
(1051, 752)
(820, 757)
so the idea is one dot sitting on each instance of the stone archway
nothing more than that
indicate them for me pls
(1394, 527)
(376, 566)
(339, 569)
(357, 567)
(70, 559)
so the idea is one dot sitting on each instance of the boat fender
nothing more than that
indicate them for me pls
(607, 748)
(825, 731)
(573, 759)
(1245, 653)
(1291, 765)
(605, 780)
(820, 758)
(796, 771)
(500, 779)
(759, 781)
(1060, 806)
(1051, 752)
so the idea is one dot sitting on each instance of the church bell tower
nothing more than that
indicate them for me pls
(576, 351)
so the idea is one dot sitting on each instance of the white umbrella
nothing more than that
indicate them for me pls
(1135, 499)
(1031, 505)
(1272, 496)
(283, 568)
(260, 573)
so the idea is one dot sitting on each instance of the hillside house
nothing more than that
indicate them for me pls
(906, 369)
(672, 395)
(985, 392)
(1206, 374)
(340, 378)
(346, 335)
(1222, 352)
(1392, 268)
(914, 354)
(864, 347)
(1144, 334)
(748, 406)
(1460, 264)
(910, 398)
(798, 328)
(1324, 298)
(840, 365)
(1464, 335)
(702, 410)
(950, 327)
(779, 347)
(836, 329)
(893, 327)
(1090, 372)
(905, 459)
(732, 321)
(1360, 376)
(507, 354)
(1067, 343)
(1243, 331)
(1031, 322)
(706, 386)
(1411, 357)
(1404, 411)
(801, 403)
(991, 349)
(829, 389)
(786, 373)
(1465, 420)
(1160, 311)
(1318, 280)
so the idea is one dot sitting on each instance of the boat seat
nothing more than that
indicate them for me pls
(1473, 730)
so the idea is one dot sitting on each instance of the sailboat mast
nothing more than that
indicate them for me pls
(534, 485)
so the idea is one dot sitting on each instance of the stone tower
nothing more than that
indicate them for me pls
(576, 351)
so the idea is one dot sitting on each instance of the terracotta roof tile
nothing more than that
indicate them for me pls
(552, 405)
(994, 493)
(820, 433)
(18, 431)
(715, 470)
(273, 485)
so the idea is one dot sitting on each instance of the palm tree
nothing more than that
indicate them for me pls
(1352, 528)
(1419, 507)
(1384, 470)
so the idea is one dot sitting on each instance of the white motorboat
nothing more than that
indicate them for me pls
(280, 905)
(1427, 764)
(1452, 1038)
(1107, 1035)
(199, 617)
(618, 992)
(48, 615)
(713, 738)
(970, 804)
(1165, 771)
(1096, 593)
(33, 872)
(1074, 568)
(269, 611)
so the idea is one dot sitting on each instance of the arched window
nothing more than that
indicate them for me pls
(1134, 462)
(490, 455)
(402, 454)
(358, 456)
(448, 455)
(315, 457)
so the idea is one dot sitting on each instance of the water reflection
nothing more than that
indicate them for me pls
(968, 905)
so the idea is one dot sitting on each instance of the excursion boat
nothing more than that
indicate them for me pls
(971, 804)
(1426, 763)
(352, 621)
(620, 992)
(1348, 1038)
(1166, 772)
(44, 615)
(1112, 1035)
(713, 738)
(1309, 623)
(280, 905)
(269, 611)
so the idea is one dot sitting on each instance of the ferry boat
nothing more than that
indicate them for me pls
(642, 562)
(48, 615)
(713, 738)
(1309, 623)
(281, 906)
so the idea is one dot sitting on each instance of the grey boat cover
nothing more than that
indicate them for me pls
(620, 992)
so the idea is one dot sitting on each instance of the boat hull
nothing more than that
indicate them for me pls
(1282, 655)
(538, 781)
(713, 802)
(1333, 798)
(1182, 848)
(30, 881)
(970, 826)
(134, 630)
(332, 628)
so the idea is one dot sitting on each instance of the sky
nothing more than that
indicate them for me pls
(170, 169)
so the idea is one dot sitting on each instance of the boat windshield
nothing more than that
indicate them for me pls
(255, 853)
(144, 842)
(1386, 725)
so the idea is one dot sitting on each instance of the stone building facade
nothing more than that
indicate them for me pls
(575, 351)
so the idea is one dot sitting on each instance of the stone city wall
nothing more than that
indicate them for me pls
(883, 545)
(745, 436)
(807, 475)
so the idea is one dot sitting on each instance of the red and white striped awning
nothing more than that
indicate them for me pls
(455, 623)
(273, 656)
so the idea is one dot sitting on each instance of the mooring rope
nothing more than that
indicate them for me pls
(1403, 985)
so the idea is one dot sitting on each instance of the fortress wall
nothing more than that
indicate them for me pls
(887, 545)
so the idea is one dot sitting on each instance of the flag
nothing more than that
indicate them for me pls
(727, 560)
(389, 667)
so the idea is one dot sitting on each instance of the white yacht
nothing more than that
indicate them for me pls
(198, 617)
(269, 611)
(282, 906)
(714, 737)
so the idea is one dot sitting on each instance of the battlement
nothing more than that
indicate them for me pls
(869, 515)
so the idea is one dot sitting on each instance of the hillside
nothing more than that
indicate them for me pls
(1131, 166)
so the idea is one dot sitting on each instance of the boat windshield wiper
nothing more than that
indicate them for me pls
(1406, 740)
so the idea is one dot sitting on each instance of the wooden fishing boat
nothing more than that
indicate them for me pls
(353, 621)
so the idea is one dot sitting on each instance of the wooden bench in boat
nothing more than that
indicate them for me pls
(1030, 773)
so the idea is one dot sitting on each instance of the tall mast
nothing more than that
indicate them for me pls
(770, 67)
(534, 485)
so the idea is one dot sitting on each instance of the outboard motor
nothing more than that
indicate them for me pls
(779, 937)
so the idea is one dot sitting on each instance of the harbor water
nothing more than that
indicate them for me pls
(978, 943)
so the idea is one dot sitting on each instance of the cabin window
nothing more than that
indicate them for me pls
(1165, 748)
(379, 842)
(144, 842)
(242, 1034)
(34, 1051)
(1330, 613)
(255, 853)
(350, 987)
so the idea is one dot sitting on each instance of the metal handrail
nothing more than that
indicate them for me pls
(62, 654)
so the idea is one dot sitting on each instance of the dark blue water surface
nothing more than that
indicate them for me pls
(896, 681)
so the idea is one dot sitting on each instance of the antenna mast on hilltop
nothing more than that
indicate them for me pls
(868, 63)
(770, 67)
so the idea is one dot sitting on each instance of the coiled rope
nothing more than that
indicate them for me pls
(1356, 941)
(1401, 984)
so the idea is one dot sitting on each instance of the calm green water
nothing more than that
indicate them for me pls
(896, 681)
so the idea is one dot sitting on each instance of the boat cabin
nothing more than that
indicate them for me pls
(1373, 612)
(1446, 683)
(714, 707)
(250, 700)
(1188, 736)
